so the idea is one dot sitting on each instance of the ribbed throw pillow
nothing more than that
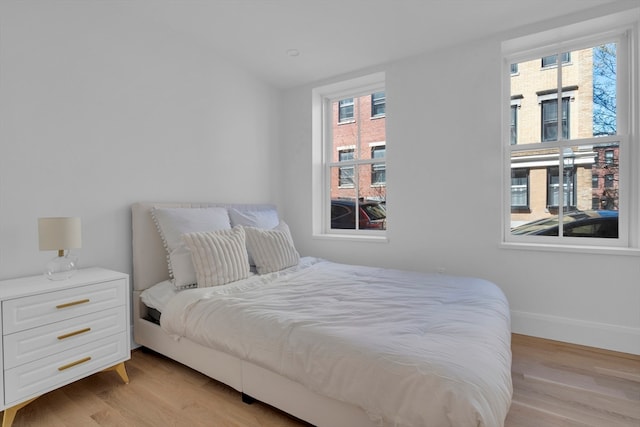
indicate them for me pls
(219, 257)
(271, 250)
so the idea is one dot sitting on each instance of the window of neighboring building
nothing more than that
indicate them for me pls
(595, 203)
(378, 101)
(345, 173)
(349, 159)
(568, 187)
(574, 125)
(378, 170)
(514, 124)
(552, 60)
(609, 180)
(345, 110)
(514, 68)
(608, 157)
(519, 189)
(550, 119)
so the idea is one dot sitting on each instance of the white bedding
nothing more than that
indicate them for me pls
(411, 349)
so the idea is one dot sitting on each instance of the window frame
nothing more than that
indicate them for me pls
(554, 63)
(376, 102)
(322, 99)
(344, 169)
(342, 106)
(526, 207)
(375, 167)
(618, 28)
(565, 120)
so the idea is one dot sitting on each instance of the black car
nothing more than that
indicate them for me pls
(372, 216)
(590, 223)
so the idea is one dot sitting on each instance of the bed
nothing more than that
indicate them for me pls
(332, 344)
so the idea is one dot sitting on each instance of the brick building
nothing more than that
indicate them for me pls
(359, 134)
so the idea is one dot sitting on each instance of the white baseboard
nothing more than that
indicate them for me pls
(611, 337)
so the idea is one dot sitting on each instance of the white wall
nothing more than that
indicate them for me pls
(444, 198)
(99, 110)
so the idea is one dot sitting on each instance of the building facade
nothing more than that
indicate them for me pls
(359, 136)
(589, 172)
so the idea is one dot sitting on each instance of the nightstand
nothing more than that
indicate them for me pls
(55, 333)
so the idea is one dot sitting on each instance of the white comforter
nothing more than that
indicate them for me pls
(411, 349)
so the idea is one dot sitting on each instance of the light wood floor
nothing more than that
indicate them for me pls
(555, 384)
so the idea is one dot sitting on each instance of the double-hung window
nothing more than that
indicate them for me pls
(345, 110)
(550, 119)
(570, 145)
(350, 169)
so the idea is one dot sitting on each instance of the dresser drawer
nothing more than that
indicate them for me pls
(32, 344)
(38, 377)
(27, 312)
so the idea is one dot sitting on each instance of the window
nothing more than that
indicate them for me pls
(568, 186)
(519, 189)
(595, 203)
(350, 169)
(571, 145)
(345, 110)
(609, 181)
(552, 60)
(608, 157)
(378, 170)
(345, 173)
(550, 119)
(514, 124)
(514, 68)
(378, 101)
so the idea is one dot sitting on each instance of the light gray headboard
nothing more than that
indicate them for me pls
(149, 255)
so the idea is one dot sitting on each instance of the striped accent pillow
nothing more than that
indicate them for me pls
(271, 250)
(219, 257)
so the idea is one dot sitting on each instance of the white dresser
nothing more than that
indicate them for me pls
(57, 332)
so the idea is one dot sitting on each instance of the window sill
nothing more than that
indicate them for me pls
(600, 250)
(352, 237)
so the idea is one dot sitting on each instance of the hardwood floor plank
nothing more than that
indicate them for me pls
(555, 385)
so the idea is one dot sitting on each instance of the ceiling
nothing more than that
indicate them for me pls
(334, 37)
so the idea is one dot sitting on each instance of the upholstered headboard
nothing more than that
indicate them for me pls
(149, 255)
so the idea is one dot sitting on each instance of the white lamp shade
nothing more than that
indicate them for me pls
(59, 233)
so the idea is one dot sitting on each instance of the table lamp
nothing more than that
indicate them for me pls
(60, 234)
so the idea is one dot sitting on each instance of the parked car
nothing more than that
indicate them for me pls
(589, 223)
(373, 215)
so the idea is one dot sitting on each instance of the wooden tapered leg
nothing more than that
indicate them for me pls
(10, 413)
(121, 371)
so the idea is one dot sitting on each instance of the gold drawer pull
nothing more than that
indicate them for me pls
(71, 334)
(69, 304)
(72, 364)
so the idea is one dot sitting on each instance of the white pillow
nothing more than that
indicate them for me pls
(254, 217)
(272, 250)
(158, 295)
(219, 257)
(172, 223)
(259, 218)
